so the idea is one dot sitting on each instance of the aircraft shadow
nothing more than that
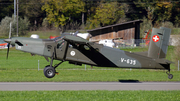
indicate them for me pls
(129, 81)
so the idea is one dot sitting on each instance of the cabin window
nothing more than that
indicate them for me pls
(86, 47)
(60, 44)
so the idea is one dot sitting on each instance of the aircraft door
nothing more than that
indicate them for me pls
(60, 49)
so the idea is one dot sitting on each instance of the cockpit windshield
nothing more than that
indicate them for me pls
(60, 42)
(58, 38)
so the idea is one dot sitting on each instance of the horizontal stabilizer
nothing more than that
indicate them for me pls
(163, 61)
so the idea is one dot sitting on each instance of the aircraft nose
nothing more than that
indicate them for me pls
(7, 40)
(10, 41)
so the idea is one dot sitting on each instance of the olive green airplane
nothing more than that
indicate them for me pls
(77, 50)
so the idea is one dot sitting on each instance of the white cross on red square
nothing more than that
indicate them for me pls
(155, 38)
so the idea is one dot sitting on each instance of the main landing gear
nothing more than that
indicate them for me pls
(49, 70)
(170, 76)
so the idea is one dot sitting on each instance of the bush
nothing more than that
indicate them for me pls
(5, 26)
(167, 24)
(45, 23)
(23, 26)
(177, 54)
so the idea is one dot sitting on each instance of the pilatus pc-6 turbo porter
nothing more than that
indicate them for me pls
(80, 51)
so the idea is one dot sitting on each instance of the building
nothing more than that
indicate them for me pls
(124, 31)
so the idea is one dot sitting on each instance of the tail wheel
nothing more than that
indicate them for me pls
(49, 72)
(170, 76)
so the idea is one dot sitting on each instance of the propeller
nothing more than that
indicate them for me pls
(12, 41)
(8, 50)
(8, 41)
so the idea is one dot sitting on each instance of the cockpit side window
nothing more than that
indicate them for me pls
(86, 47)
(60, 44)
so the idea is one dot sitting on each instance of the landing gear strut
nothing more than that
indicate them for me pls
(170, 76)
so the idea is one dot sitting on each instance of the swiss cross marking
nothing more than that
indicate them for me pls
(155, 38)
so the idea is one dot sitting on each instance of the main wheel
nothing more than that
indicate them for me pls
(49, 72)
(170, 76)
(47, 66)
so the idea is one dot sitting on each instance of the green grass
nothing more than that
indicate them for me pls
(175, 31)
(90, 95)
(23, 75)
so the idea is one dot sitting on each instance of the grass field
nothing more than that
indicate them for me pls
(23, 75)
(22, 66)
(176, 31)
(90, 95)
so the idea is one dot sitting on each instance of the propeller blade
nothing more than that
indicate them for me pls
(9, 42)
(8, 50)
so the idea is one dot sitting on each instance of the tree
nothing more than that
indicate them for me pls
(145, 26)
(6, 8)
(5, 25)
(176, 13)
(149, 7)
(32, 10)
(106, 14)
(163, 11)
(157, 10)
(61, 12)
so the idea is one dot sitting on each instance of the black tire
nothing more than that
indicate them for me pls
(170, 76)
(47, 66)
(49, 72)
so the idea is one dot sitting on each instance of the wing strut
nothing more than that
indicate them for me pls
(46, 58)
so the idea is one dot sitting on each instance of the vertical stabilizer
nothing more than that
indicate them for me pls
(159, 42)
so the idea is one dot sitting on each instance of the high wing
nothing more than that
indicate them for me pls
(75, 39)
(90, 50)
